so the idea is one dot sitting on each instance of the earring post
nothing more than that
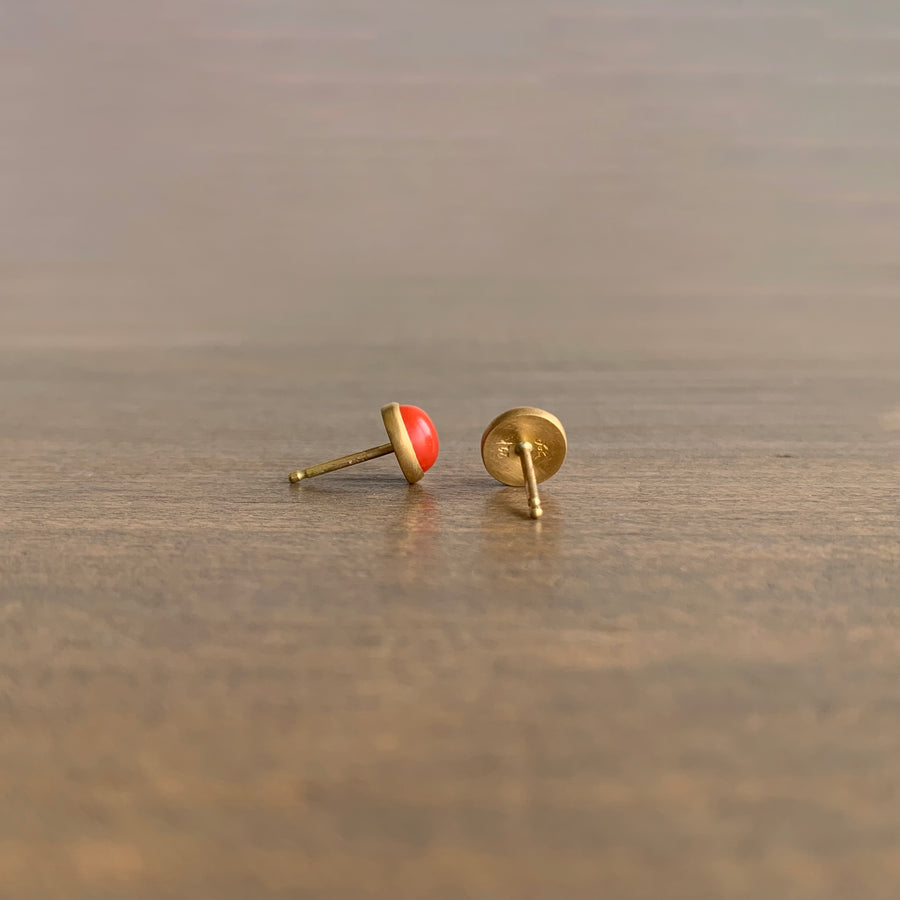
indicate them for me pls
(524, 450)
(341, 463)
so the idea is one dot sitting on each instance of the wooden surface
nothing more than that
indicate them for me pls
(230, 232)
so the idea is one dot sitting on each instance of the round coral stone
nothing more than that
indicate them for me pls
(422, 433)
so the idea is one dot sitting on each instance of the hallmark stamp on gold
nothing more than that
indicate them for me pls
(539, 450)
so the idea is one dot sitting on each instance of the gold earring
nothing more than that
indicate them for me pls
(526, 446)
(413, 438)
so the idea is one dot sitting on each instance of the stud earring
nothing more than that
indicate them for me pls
(413, 438)
(524, 446)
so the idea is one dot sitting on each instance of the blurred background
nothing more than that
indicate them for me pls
(716, 176)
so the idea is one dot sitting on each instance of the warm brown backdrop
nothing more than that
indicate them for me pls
(230, 231)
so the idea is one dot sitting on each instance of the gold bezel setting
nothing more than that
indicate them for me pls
(400, 441)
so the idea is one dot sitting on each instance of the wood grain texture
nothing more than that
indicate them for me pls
(230, 235)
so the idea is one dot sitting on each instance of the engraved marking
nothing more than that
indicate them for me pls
(506, 449)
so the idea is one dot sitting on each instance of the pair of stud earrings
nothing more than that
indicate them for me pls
(523, 446)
